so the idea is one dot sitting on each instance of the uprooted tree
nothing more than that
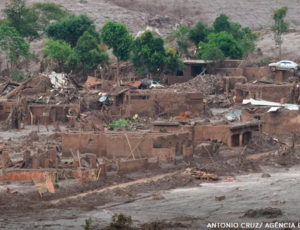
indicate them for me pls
(118, 38)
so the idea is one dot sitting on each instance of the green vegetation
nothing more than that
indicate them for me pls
(118, 38)
(280, 26)
(74, 43)
(120, 221)
(223, 42)
(181, 34)
(31, 21)
(88, 224)
(150, 57)
(70, 29)
(118, 123)
(87, 53)
(59, 51)
(173, 62)
(199, 33)
(12, 45)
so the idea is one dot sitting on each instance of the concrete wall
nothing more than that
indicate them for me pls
(5, 108)
(84, 143)
(281, 122)
(230, 82)
(130, 166)
(50, 113)
(187, 153)
(177, 79)
(230, 63)
(212, 132)
(118, 147)
(230, 71)
(256, 113)
(154, 102)
(173, 129)
(167, 155)
(175, 141)
(255, 73)
(268, 92)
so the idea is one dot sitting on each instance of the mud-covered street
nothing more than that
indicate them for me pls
(190, 208)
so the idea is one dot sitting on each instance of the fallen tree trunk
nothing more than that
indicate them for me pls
(16, 90)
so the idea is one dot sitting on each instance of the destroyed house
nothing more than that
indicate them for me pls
(278, 118)
(234, 135)
(47, 114)
(269, 92)
(154, 103)
(6, 107)
(113, 145)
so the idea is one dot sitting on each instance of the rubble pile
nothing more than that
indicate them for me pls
(206, 84)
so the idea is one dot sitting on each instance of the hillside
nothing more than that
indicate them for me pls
(164, 15)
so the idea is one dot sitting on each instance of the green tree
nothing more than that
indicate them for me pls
(48, 12)
(71, 28)
(280, 26)
(223, 41)
(88, 52)
(211, 53)
(173, 62)
(199, 33)
(148, 54)
(222, 23)
(181, 34)
(30, 21)
(12, 45)
(118, 38)
(59, 51)
(22, 19)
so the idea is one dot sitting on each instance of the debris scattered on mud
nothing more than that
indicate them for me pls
(268, 212)
(265, 175)
(206, 84)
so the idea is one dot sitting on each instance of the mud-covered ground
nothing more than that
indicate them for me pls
(162, 195)
(73, 203)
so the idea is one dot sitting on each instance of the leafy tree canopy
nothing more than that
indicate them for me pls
(71, 28)
(58, 51)
(12, 45)
(150, 57)
(199, 33)
(89, 53)
(280, 26)
(223, 41)
(173, 62)
(117, 37)
(30, 21)
(181, 34)
(222, 23)
(211, 53)
(148, 54)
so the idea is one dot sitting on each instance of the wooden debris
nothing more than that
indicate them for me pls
(202, 175)
(220, 198)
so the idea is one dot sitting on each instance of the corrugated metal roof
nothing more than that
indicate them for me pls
(234, 114)
(270, 104)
